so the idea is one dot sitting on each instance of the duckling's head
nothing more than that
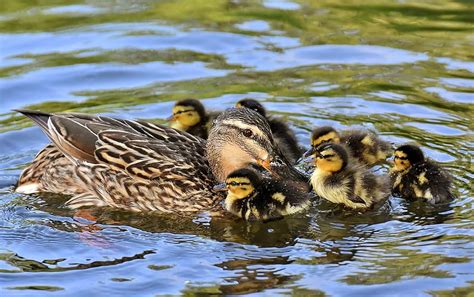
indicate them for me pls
(324, 134)
(187, 113)
(406, 156)
(239, 138)
(242, 182)
(331, 157)
(252, 104)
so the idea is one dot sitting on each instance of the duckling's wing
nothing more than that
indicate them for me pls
(434, 183)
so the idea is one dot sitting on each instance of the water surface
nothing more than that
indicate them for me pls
(402, 68)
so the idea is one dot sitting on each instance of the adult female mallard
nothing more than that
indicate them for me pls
(283, 135)
(139, 166)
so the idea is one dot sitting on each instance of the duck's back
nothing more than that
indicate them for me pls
(128, 164)
(427, 180)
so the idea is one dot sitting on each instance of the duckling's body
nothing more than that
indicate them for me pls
(364, 146)
(140, 166)
(340, 179)
(415, 177)
(190, 115)
(253, 197)
(283, 135)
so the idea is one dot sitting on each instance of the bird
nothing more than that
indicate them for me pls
(282, 134)
(341, 179)
(136, 165)
(253, 197)
(363, 145)
(415, 177)
(241, 137)
(191, 116)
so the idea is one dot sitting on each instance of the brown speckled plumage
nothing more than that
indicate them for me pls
(125, 164)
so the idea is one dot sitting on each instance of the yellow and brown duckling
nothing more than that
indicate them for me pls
(363, 145)
(283, 135)
(340, 179)
(252, 197)
(415, 177)
(190, 115)
(140, 166)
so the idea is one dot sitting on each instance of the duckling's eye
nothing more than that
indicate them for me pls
(327, 156)
(247, 133)
(234, 184)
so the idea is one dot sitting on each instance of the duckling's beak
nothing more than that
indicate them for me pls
(222, 187)
(309, 152)
(171, 118)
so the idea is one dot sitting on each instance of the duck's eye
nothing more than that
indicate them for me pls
(247, 133)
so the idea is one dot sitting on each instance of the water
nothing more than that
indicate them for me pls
(403, 68)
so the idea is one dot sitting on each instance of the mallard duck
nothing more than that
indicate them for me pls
(283, 135)
(340, 179)
(190, 115)
(415, 177)
(241, 138)
(254, 197)
(363, 145)
(136, 165)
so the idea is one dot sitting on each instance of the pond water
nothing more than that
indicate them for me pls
(402, 68)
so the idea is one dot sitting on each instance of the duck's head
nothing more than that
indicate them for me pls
(239, 138)
(252, 104)
(242, 183)
(324, 134)
(330, 158)
(321, 136)
(186, 114)
(406, 156)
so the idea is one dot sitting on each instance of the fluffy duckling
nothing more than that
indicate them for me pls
(190, 115)
(339, 179)
(283, 135)
(415, 177)
(253, 197)
(364, 146)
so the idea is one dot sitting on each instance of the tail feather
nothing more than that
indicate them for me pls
(40, 118)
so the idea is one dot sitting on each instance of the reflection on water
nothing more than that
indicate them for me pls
(402, 68)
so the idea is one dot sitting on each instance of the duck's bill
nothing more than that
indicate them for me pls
(222, 187)
(265, 164)
(309, 153)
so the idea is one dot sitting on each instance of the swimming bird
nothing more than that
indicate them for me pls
(242, 137)
(135, 165)
(340, 179)
(252, 197)
(415, 177)
(190, 115)
(363, 145)
(283, 135)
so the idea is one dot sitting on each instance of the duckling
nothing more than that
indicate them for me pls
(283, 135)
(190, 115)
(253, 197)
(415, 177)
(364, 146)
(340, 179)
(140, 166)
